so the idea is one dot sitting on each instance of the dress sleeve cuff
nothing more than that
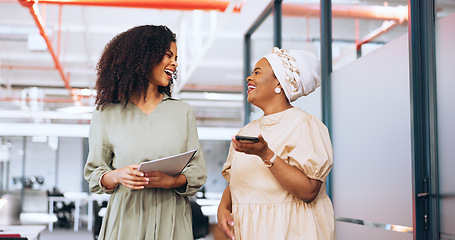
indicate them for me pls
(192, 185)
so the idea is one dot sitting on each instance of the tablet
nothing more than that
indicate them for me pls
(171, 165)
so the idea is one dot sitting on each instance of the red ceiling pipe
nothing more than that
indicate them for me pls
(158, 4)
(59, 35)
(347, 11)
(53, 100)
(386, 26)
(33, 7)
(45, 99)
(399, 13)
(27, 67)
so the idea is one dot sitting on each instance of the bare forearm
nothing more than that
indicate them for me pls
(290, 178)
(293, 180)
(109, 180)
(180, 181)
(127, 176)
(225, 220)
(226, 202)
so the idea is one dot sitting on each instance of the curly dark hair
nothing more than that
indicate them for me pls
(126, 63)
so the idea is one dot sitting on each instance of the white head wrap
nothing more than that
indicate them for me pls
(299, 72)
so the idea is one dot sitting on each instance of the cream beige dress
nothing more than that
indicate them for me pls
(122, 136)
(261, 207)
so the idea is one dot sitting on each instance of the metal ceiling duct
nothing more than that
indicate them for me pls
(398, 14)
(207, 5)
(34, 11)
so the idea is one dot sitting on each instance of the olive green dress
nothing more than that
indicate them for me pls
(122, 136)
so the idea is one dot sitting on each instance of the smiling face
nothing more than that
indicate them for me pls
(262, 84)
(163, 71)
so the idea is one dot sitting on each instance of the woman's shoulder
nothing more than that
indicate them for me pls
(109, 108)
(177, 103)
(301, 116)
(105, 114)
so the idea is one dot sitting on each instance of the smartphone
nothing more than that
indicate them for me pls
(246, 139)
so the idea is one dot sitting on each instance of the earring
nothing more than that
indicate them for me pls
(277, 90)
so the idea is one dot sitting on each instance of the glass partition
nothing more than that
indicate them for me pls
(362, 27)
(444, 8)
(371, 132)
(302, 32)
(372, 181)
(261, 44)
(445, 50)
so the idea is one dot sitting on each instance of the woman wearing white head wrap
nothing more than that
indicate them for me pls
(297, 71)
(277, 185)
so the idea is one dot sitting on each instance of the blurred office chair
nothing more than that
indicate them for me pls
(200, 221)
(10, 209)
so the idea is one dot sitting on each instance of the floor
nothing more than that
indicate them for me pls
(84, 234)
(67, 234)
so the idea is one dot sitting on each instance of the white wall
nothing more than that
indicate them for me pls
(372, 144)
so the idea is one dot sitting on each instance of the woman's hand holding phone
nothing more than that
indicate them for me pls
(246, 139)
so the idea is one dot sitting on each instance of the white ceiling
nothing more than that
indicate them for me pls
(210, 46)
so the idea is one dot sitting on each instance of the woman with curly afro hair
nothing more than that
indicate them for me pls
(136, 120)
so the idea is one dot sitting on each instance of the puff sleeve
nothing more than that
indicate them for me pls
(100, 155)
(226, 171)
(312, 153)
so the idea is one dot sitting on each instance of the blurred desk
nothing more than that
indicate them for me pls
(30, 232)
(99, 198)
(79, 199)
(209, 208)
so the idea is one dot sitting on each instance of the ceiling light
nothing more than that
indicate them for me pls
(223, 96)
(76, 109)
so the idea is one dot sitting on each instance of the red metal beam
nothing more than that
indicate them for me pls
(27, 67)
(386, 26)
(59, 30)
(33, 8)
(207, 5)
(53, 100)
(399, 13)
